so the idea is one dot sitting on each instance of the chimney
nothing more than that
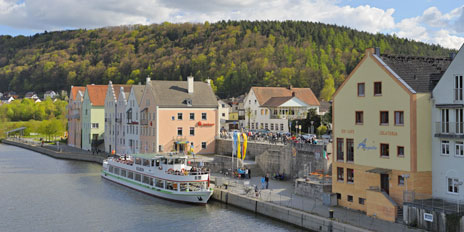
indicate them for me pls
(452, 55)
(190, 84)
(377, 51)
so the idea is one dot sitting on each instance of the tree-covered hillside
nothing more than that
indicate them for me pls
(235, 55)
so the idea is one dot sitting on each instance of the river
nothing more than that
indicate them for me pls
(40, 193)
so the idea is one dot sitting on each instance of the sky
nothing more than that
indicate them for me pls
(431, 21)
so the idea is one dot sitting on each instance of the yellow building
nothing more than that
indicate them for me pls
(382, 132)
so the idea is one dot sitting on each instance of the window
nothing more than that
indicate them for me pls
(445, 121)
(349, 150)
(179, 131)
(179, 116)
(192, 130)
(360, 89)
(377, 88)
(138, 177)
(458, 88)
(383, 117)
(192, 116)
(203, 116)
(459, 148)
(459, 121)
(384, 150)
(400, 180)
(400, 151)
(272, 126)
(203, 145)
(445, 147)
(399, 118)
(130, 175)
(340, 156)
(349, 198)
(223, 114)
(453, 185)
(339, 196)
(281, 127)
(340, 174)
(359, 117)
(350, 175)
(361, 201)
(266, 126)
(95, 125)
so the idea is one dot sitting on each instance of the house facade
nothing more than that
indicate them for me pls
(113, 122)
(223, 111)
(50, 94)
(132, 120)
(382, 132)
(93, 117)
(448, 132)
(74, 116)
(271, 108)
(178, 115)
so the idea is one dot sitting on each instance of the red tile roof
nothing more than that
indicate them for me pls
(75, 89)
(263, 94)
(117, 89)
(97, 94)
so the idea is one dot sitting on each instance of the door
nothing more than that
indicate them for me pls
(384, 183)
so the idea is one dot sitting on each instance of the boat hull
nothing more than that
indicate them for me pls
(198, 197)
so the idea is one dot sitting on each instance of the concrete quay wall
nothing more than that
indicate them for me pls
(292, 216)
(58, 155)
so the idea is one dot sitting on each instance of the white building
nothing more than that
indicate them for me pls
(132, 122)
(270, 108)
(223, 112)
(113, 123)
(448, 132)
(51, 94)
(121, 127)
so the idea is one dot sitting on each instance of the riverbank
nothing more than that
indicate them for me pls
(54, 152)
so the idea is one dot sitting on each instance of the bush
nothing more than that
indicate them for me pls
(321, 130)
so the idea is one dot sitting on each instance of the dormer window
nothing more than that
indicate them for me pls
(188, 102)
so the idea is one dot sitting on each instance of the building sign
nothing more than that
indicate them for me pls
(347, 131)
(363, 145)
(428, 217)
(205, 124)
(388, 133)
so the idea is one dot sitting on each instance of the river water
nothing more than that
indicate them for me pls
(40, 193)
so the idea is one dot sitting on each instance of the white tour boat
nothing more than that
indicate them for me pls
(165, 176)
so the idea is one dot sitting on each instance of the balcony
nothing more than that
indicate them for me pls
(144, 122)
(449, 129)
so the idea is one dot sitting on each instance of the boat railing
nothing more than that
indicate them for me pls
(187, 173)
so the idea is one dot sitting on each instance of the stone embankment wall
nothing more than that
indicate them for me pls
(295, 217)
(59, 155)
(294, 160)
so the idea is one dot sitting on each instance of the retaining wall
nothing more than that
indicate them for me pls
(295, 217)
(59, 155)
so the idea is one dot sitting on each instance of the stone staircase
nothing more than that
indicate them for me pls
(399, 215)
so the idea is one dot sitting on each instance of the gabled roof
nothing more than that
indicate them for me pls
(276, 101)
(97, 94)
(75, 89)
(263, 94)
(420, 74)
(117, 89)
(138, 92)
(174, 94)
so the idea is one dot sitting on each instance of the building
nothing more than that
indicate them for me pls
(51, 94)
(382, 132)
(7, 99)
(93, 117)
(448, 132)
(177, 115)
(31, 95)
(132, 120)
(74, 116)
(114, 117)
(223, 111)
(271, 108)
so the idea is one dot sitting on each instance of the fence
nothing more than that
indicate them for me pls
(427, 201)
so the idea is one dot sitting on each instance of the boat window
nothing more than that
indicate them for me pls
(152, 163)
(146, 179)
(197, 186)
(111, 169)
(116, 171)
(164, 160)
(170, 185)
(123, 172)
(157, 162)
(130, 175)
(146, 162)
(170, 161)
(138, 177)
(159, 183)
(151, 181)
(183, 187)
(138, 161)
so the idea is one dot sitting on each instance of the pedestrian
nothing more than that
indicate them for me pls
(246, 174)
(263, 182)
(266, 179)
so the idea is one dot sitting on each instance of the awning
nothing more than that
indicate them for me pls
(17, 129)
(182, 142)
(380, 171)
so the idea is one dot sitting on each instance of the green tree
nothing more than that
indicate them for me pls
(329, 88)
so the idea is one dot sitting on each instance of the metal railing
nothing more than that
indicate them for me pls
(427, 201)
(452, 128)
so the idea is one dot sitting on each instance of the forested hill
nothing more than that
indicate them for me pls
(235, 55)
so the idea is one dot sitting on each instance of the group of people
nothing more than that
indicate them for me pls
(243, 173)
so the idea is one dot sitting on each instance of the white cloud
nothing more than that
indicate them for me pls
(433, 26)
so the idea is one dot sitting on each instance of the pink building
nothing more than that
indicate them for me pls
(175, 115)
(74, 116)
